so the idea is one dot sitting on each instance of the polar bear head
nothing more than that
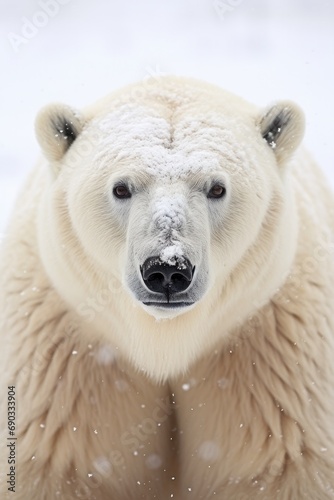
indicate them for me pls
(178, 194)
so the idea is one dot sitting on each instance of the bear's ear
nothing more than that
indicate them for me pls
(282, 126)
(57, 126)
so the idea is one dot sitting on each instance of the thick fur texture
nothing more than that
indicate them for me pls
(230, 398)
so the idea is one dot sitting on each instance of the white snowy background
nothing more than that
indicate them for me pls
(75, 51)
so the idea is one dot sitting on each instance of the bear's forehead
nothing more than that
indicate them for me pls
(164, 144)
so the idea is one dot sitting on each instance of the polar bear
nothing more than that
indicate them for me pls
(167, 304)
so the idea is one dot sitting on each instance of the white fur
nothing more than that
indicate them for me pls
(242, 380)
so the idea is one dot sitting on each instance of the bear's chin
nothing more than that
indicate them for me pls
(161, 312)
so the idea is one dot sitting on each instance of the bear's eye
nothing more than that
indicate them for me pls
(121, 191)
(217, 191)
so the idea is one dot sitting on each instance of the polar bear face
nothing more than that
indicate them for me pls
(181, 195)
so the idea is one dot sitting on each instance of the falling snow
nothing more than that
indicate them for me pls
(121, 385)
(223, 383)
(105, 355)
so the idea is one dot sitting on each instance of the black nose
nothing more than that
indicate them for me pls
(161, 277)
